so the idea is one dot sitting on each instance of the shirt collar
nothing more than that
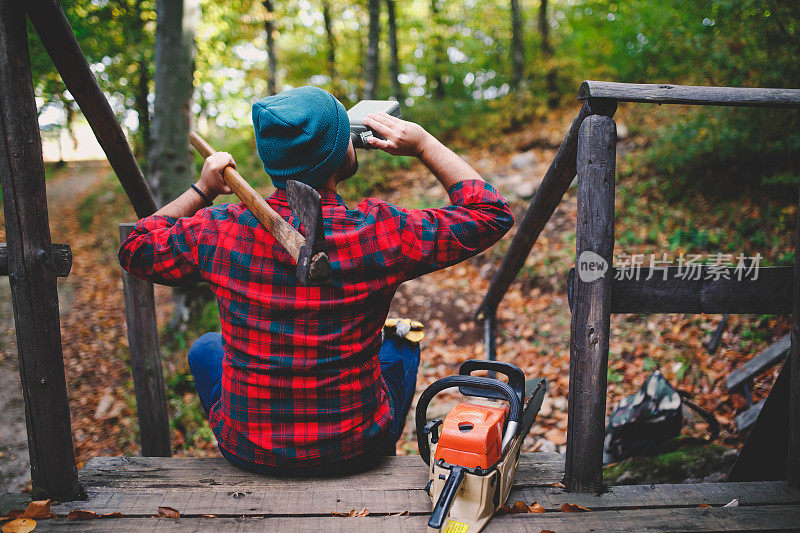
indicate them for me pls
(328, 197)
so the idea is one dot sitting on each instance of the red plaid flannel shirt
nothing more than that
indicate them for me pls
(301, 383)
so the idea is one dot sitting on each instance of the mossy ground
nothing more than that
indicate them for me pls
(687, 463)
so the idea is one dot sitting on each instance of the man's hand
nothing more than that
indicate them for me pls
(211, 180)
(407, 138)
(402, 137)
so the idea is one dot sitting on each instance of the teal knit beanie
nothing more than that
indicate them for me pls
(301, 134)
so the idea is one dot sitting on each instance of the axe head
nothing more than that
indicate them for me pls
(313, 265)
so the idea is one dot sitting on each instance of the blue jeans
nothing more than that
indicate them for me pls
(399, 362)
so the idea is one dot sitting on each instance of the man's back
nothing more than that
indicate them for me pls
(301, 383)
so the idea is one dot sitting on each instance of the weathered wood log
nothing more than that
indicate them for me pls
(50, 22)
(31, 269)
(793, 460)
(689, 94)
(747, 418)
(764, 453)
(755, 366)
(62, 257)
(148, 377)
(556, 181)
(591, 319)
(770, 293)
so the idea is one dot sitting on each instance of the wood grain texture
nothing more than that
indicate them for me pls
(31, 269)
(689, 94)
(284, 233)
(53, 28)
(393, 473)
(225, 500)
(555, 183)
(591, 318)
(770, 293)
(765, 359)
(244, 501)
(148, 377)
(755, 518)
(62, 258)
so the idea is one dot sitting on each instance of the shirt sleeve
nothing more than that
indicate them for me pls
(163, 249)
(432, 239)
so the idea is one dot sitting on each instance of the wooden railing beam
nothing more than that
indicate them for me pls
(769, 294)
(62, 257)
(689, 94)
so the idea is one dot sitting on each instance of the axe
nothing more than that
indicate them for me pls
(313, 265)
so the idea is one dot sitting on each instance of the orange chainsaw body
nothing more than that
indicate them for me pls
(472, 435)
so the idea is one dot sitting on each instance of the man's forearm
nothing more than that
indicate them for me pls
(445, 164)
(187, 204)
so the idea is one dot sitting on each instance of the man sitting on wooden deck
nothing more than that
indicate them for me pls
(300, 382)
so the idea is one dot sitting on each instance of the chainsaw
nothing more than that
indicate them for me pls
(473, 454)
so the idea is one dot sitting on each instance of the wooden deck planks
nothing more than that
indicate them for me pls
(761, 518)
(209, 472)
(232, 503)
(243, 501)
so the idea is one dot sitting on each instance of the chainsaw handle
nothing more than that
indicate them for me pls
(516, 379)
(474, 382)
(447, 497)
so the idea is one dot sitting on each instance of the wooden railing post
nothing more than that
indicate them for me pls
(554, 185)
(793, 461)
(148, 377)
(32, 270)
(591, 316)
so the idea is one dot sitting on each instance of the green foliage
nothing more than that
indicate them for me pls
(729, 151)
(455, 73)
(116, 38)
(186, 413)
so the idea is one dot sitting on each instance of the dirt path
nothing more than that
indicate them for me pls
(63, 193)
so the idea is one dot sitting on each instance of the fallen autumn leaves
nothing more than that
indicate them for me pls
(352, 513)
(520, 507)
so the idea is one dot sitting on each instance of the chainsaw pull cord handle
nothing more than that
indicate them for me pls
(475, 383)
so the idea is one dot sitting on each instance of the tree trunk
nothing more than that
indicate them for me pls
(547, 55)
(371, 70)
(143, 88)
(171, 163)
(394, 62)
(171, 167)
(436, 77)
(328, 23)
(517, 44)
(272, 66)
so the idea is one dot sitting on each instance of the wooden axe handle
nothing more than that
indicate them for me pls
(284, 233)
